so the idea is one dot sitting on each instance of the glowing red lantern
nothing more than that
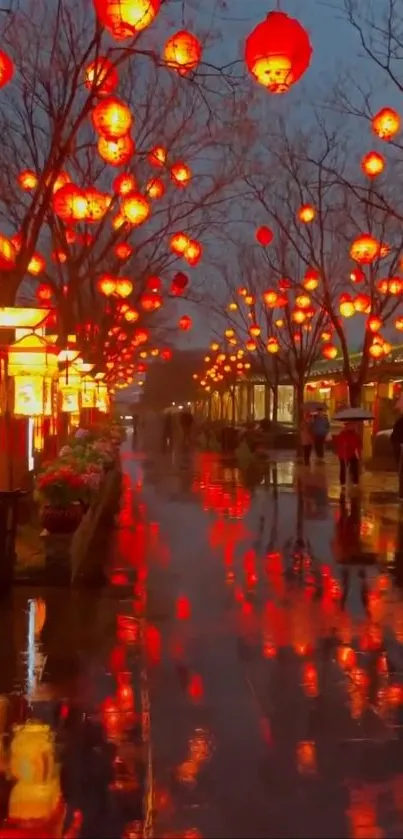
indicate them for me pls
(357, 276)
(98, 204)
(364, 249)
(386, 123)
(59, 256)
(158, 156)
(181, 174)
(264, 236)
(101, 76)
(179, 242)
(182, 52)
(166, 354)
(112, 118)
(193, 252)
(135, 208)
(123, 250)
(306, 213)
(376, 350)
(395, 285)
(311, 279)
(27, 180)
(154, 283)
(185, 323)
(329, 351)
(36, 264)
(6, 69)
(155, 188)
(179, 283)
(69, 203)
(44, 292)
(278, 52)
(124, 183)
(123, 19)
(362, 303)
(272, 346)
(123, 287)
(373, 164)
(270, 298)
(346, 306)
(106, 285)
(374, 323)
(116, 152)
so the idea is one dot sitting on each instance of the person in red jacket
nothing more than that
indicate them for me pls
(348, 447)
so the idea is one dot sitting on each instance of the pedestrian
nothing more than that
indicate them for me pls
(396, 438)
(320, 430)
(306, 437)
(348, 446)
(186, 421)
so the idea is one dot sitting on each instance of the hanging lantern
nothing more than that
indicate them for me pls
(346, 306)
(386, 123)
(374, 323)
(272, 346)
(59, 256)
(135, 208)
(179, 243)
(6, 69)
(181, 174)
(376, 350)
(150, 301)
(44, 293)
(116, 152)
(154, 283)
(69, 387)
(155, 188)
(123, 251)
(302, 301)
(357, 276)
(399, 324)
(373, 164)
(254, 330)
(185, 323)
(270, 298)
(250, 345)
(98, 204)
(125, 18)
(264, 236)
(395, 285)
(124, 183)
(362, 303)
(179, 283)
(101, 76)
(112, 118)
(123, 287)
(182, 52)
(193, 252)
(298, 316)
(27, 180)
(306, 213)
(88, 392)
(106, 285)
(364, 249)
(36, 264)
(329, 351)
(278, 52)
(8, 253)
(311, 279)
(158, 156)
(61, 180)
(32, 363)
(70, 204)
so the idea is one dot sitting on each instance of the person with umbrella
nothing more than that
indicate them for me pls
(348, 447)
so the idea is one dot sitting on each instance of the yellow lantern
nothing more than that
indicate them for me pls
(36, 793)
(102, 398)
(32, 363)
(70, 391)
(88, 392)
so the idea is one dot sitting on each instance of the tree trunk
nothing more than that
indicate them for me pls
(354, 393)
(299, 410)
(275, 403)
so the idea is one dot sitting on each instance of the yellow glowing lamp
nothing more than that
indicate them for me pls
(70, 391)
(102, 398)
(32, 363)
(36, 793)
(88, 392)
(22, 317)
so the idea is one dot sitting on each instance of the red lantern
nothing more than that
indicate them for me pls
(44, 293)
(364, 249)
(135, 208)
(106, 285)
(373, 164)
(6, 69)
(166, 354)
(59, 256)
(357, 276)
(278, 52)
(362, 303)
(306, 213)
(182, 52)
(185, 323)
(36, 264)
(386, 123)
(70, 204)
(179, 242)
(374, 323)
(154, 283)
(272, 346)
(97, 205)
(311, 279)
(123, 19)
(329, 351)
(155, 188)
(124, 183)
(158, 156)
(181, 174)
(116, 152)
(123, 287)
(101, 76)
(270, 298)
(123, 250)
(264, 236)
(179, 283)
(112, 118)
(27, 180)
(193, 252)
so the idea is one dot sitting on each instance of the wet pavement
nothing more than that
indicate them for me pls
(271, 659)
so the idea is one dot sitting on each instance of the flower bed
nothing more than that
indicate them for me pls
(83, 479)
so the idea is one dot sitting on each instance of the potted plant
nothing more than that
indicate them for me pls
(60, 490)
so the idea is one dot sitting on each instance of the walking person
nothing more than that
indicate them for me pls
(320, 430)
(348, 446)
(306, 437)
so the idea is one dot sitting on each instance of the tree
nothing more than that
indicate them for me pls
(326, 217)
(69, 222)
(270, 309)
